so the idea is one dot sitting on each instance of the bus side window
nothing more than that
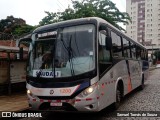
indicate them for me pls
(126, 48)
(116, 45)
(133, 50)
(138, 53)
(104, 55)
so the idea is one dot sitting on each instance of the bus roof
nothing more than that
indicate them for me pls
(64, 23)
(84, 20)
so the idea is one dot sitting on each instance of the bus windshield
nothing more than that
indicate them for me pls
(64, 52)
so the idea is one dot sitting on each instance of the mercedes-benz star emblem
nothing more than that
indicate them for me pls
(51, 92)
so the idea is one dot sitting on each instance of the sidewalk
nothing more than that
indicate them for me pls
(14, 102)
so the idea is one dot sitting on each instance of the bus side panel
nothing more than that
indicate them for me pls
(108, 83)
(135, 73)
(128, 71)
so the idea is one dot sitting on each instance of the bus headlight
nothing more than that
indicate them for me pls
(88, 91)
(30, 93)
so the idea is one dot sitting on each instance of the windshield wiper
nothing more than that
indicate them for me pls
(41, 69)
(39, 73)
(70, 54)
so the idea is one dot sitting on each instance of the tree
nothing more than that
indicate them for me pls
(50, 18)
(157, 55)
(19, 31)
(90, 8)
(16, 27)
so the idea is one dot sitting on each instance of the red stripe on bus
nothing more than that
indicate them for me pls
(49, 100)
(58, 100)
(76, 88)
(41, 100)
(77, 100)
(88, 99)
(67, 100)
(129, 84)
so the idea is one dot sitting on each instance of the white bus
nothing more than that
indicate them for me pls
(83, 65)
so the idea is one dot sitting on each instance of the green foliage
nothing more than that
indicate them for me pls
(89, 8)
(16, 27)
(21, 30)
(50, 18)
(157, 55)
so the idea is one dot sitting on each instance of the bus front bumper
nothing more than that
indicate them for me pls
(76, 104)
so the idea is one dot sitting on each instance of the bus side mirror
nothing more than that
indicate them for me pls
(108, 43)
(21, 53)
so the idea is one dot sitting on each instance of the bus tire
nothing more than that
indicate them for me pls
(142, 83)
(118, 97)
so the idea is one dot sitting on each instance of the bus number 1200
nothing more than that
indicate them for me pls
(64, 91)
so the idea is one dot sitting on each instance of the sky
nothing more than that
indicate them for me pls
(32, 11)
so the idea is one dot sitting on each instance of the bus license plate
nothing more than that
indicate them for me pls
(55, 104)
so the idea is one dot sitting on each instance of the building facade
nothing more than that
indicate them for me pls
(145, 25)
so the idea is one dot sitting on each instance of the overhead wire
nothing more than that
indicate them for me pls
(60, 6)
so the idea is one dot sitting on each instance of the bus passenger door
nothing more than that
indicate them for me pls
(104, 52)
(104, 63)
